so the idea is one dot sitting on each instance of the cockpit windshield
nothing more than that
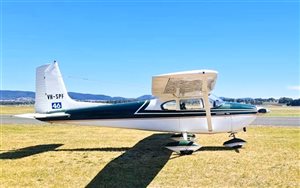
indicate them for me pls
(215, 101)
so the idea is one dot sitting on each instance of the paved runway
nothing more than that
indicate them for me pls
(9, 119)
(279, 121)
(275, 121)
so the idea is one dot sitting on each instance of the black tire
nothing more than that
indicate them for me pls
(262, 110)
(237, 147)
(186, 152)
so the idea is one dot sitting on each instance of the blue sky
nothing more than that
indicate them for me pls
(114, 48)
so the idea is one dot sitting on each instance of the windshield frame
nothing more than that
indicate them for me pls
(215, 101)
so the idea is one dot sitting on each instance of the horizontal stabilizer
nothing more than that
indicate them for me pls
(38, 115)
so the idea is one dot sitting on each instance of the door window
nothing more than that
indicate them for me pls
(191, 104)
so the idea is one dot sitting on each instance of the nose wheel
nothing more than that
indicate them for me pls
(234, 143)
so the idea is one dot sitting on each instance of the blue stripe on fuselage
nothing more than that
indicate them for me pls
(138, 110)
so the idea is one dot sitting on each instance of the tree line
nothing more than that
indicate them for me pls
(259, 101)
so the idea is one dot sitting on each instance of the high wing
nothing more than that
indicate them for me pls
(189, 84)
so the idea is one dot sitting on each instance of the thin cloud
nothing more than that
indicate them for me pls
(297, 88)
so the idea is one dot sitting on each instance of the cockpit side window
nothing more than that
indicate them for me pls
(185, 104)
(191, 104)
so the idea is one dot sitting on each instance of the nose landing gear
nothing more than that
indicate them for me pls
(234, 143)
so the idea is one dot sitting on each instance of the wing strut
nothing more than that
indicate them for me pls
(207, 105)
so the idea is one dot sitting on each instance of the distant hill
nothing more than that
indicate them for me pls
(145, 97)
(16, 95)
(92, 97)
(8, 95)
(27, 97)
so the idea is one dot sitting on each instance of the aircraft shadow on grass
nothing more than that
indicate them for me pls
(29, 151)
(108, 149)
(218, 148)
(138, 166)
(33, 150)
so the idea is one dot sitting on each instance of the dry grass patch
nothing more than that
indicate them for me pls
(76, 156)
(12, 110)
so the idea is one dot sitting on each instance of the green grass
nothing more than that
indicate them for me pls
(283, 111)
(76, 156)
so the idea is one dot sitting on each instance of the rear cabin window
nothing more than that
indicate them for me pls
(169, 105)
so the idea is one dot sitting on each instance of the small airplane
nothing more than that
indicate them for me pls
(184, 106)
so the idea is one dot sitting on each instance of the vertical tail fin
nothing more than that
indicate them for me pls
(51, 94)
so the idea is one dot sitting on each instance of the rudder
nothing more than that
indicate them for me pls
(51, 94)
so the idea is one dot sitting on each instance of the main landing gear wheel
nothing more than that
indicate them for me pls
(183, 147)
(184, 144)
(234, 143)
